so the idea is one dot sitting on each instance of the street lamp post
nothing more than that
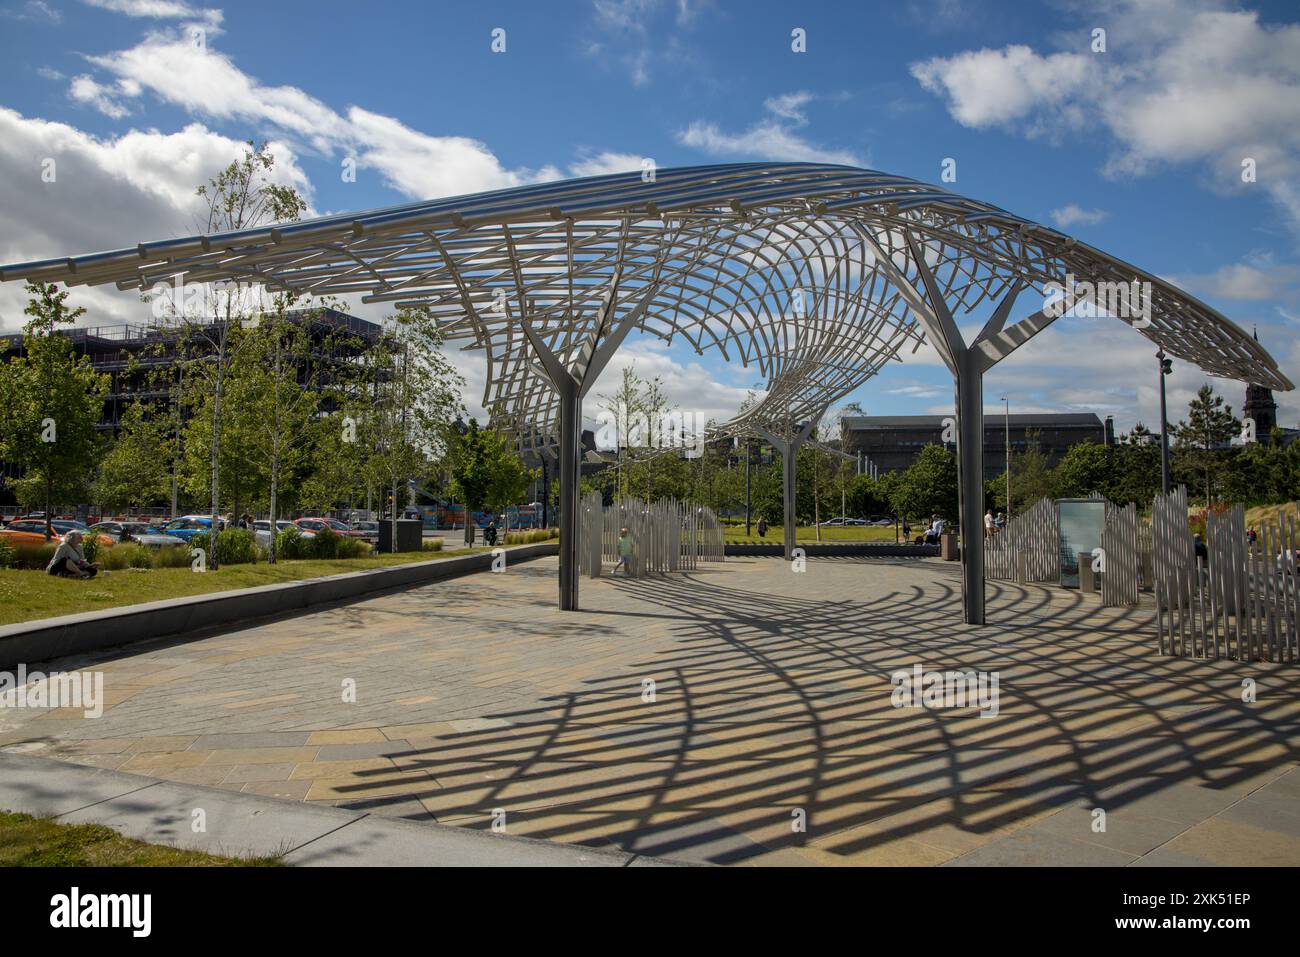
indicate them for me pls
(1166, 366)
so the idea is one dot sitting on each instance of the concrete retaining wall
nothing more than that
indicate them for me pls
(856, 549)
(48, 638)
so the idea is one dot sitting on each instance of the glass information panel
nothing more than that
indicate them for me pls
(1082, 520)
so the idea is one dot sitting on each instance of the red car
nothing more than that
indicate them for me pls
(320, 524)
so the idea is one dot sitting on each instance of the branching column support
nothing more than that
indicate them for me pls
(571, 383)
(967, 363)
(788, 445)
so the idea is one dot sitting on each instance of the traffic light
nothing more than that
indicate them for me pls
(1166, 366)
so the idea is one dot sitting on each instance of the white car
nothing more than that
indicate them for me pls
(262, 531)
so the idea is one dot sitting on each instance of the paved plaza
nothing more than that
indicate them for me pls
(739, 714)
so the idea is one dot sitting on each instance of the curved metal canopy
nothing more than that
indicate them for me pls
(816, 274)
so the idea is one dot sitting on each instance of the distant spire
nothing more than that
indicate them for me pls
(1255, 332)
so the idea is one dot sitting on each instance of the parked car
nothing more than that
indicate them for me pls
(314, 525)
(369, 531)
(61, 527)
(188, 526)
(262, 530)
(18, 536)
(150, 536)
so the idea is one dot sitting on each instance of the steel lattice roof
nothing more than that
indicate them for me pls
(768, 263)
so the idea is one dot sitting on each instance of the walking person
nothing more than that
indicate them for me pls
(762, 527)
(624, 552)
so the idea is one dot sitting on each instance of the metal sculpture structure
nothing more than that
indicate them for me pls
(817, 274)
(666, 535)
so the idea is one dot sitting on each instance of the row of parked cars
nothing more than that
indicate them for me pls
(877, 521)
(30, 529)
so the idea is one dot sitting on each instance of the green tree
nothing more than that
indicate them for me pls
(929, 486)
(412, 396)
(1031, 475)
(136, 471)
(1136, 467)
(1201, 442)
(473, 464)
(52, 399)
(1084, 469)
(282, 392)
(241, 196)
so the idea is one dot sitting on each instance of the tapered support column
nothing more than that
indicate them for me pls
(970, 477)
(569, 454)
(788, 446)
(789, 474)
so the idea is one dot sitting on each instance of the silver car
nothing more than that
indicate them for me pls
(150, 536)
(262, 531)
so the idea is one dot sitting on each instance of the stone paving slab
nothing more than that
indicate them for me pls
(370, 842)
(702, 713)
(48, 788)
(236, 825)
(246, 825)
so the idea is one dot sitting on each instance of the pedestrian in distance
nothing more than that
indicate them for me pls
(625, 548)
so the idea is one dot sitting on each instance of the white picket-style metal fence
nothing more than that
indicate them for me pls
(1239, 599)
(1121, 556)
(1029, 548)
(667, 535)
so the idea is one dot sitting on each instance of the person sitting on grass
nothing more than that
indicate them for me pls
(69, 560)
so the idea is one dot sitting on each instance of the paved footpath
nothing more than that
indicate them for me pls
(739, 714)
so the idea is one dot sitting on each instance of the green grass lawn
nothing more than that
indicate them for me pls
(27, 841)
(27, 595)
(808, 533)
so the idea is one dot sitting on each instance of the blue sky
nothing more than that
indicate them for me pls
(1135, 149)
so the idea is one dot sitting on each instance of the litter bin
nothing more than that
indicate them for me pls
(410, 535)
(948, 546)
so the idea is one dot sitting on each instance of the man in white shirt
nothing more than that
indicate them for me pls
(934, 531)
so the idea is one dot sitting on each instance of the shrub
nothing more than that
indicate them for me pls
(126, 555)
(290, 544)
(431, 544)
(33, 556)
(7, 556)
(171, 556)
(235, 546)
(324, 544)
(350, 547)
(92, 548)
(535, 535)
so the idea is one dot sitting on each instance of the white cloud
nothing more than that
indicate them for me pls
(768, 139)
(207, 83)
(1069, 215)
(157, 9)
(992, 87)
(144, 179)
(1203, 85)
(688, 383)
(789, 106)
(34, 10)
(607, 162)
(85, 89)
(1247, 282)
